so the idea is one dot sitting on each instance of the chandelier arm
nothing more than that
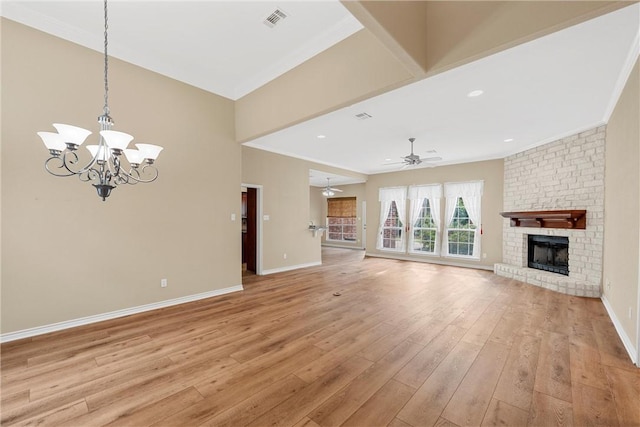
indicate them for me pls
(66, 163)
(134, 176)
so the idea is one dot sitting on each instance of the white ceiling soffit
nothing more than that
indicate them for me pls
(223, 47)
(319, 179)
(534, 93)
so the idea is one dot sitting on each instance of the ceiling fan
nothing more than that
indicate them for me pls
(414, 159)
(329, 190)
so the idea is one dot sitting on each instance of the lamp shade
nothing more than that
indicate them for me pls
(72, 134)
(116, 140)
(134, 156)
(95, 150)
(52, 140)
(149, 151)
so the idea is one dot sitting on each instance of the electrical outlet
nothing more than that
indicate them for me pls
(163, 283)
(608, 284)
(284, 256)
(484, 255)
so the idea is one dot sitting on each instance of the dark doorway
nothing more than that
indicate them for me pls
(250, 238)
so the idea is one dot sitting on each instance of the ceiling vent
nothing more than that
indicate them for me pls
(275, 17)
(363, 116)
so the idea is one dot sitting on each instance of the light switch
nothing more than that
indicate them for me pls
(233, 217)
(266, 217)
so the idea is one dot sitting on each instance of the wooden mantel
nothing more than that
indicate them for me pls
(575, 219)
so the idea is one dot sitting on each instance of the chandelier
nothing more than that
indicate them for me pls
(106, 169)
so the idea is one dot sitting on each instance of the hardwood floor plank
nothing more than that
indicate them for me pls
(224, 392)
(426, 405)
(516, 383)
(420, 367)
(326, 362)
(382, 407)
(502, 414)
(593, 406)
(58, 416)
(312, 395)
(482, 329)
(625, 388)
(612, 351)
(549, 411)
(586, 367)
(472, 398)
(343, 404)
(159, 410)
(259, 403)
(553, 374)
(306, 422)
(397, 422)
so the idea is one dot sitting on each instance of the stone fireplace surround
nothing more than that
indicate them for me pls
(564, 174)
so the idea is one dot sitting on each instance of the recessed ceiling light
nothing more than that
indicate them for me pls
(475, 93)
(321, 136)
(387, 160)
(508, 140)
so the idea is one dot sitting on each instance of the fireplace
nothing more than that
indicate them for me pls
(549, 253)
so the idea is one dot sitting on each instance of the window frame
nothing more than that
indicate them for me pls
(471, 195)
(412, 239)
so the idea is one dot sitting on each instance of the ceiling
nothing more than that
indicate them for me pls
(223, 47)
(533, 93)
(537, 92)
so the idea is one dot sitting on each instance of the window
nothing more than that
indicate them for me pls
(424, 230)
(461, 231)
(392, 229)
(392, 216)
(425, 219)
(341, 219)
(461, 237)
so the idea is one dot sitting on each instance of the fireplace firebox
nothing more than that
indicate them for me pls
(549, 253)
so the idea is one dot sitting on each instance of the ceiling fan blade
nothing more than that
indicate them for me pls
(431, 159)
(335, 189)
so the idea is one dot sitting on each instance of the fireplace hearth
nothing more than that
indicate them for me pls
(549, 253)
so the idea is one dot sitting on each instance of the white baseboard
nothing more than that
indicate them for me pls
(621, 333)
(39, 330)
(429, 260)
(291, 267)
(329, 245)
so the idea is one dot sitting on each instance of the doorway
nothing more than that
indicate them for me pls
(251, 229)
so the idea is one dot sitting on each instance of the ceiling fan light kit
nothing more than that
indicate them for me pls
(105, 169)
(414, 159)
(329, 191)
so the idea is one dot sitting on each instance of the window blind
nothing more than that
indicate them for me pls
(342, 207)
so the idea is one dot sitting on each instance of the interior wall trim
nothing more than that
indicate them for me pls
(67, 324)
(626, 341)
(291, 267)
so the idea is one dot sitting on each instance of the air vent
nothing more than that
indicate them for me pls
(275, 17)
(363, 116)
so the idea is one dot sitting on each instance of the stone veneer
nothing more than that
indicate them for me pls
(564, 174)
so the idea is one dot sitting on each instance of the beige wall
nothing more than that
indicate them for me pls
(622, 208)
(353, 190)
(491, 172)
(65, 253)
(354, 69)
(287, 202)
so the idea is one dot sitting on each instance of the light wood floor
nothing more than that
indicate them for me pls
(405, 344)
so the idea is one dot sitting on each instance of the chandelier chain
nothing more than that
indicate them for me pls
(106, 62)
